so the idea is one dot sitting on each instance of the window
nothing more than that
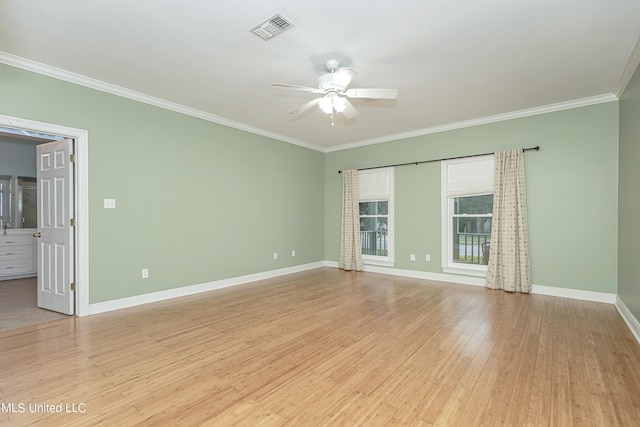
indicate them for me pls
(467, 213)
(376, 216)
(374, 227)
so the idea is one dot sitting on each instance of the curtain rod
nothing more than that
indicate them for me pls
(536, 148)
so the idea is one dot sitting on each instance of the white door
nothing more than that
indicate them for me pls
(55, 234)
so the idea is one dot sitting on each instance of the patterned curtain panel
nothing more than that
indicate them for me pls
(350, 248)
(509, 267)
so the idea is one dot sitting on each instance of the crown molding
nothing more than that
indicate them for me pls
(68, 76)
(58, 73)
(593, 100)
(629, 70)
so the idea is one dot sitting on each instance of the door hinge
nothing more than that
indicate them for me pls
(72, 221)
(73, 286)
(72, 158)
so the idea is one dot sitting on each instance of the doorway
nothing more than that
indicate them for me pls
(81, 217)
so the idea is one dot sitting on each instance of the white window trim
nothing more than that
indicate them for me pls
(389, 260)
(446, 204)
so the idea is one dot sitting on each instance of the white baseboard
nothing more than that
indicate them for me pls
(102, 307)
(451, 278)
(574, 294)
(629, 318)
(480, 281)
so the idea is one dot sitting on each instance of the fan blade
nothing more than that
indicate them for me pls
(306, 106)
(296, 87)
(372, 93)
(349, 111)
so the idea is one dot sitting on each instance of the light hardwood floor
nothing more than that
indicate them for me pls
(328, 347)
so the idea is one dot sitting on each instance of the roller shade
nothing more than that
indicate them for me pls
(374, 184)
(470, 177)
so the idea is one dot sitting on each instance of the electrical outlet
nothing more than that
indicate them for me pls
(145, 273)
(427, 257)
(412, 257)
(293, 252)
(109, 203)
(275, 255)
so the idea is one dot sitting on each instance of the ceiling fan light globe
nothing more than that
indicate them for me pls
(339, 104)
(326, 105)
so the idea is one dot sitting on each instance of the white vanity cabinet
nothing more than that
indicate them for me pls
(17, 256)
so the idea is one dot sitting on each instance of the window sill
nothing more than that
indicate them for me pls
(479, 271)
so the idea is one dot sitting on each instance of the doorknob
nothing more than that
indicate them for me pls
(38, 234)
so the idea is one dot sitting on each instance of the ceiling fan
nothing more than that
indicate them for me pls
(333, 88)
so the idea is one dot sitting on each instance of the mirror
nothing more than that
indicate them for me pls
(18, 202)
(18, 184)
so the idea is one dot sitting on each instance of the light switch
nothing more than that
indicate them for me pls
(109, 203)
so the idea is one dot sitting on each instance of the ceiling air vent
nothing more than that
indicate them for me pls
(271, 27)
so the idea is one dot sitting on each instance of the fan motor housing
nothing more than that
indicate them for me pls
(328, 83)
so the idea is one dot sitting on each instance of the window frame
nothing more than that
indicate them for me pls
(448, 214)
(389, 259)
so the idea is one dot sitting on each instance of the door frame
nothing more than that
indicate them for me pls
(81, 184)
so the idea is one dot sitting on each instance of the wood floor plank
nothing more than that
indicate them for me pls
(457, 403)
(329, 347)
(539, 406)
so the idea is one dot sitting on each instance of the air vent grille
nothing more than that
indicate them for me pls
(272, 27)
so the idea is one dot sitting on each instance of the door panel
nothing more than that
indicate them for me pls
(55, 210)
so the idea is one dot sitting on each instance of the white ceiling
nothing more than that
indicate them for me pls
(452, 61)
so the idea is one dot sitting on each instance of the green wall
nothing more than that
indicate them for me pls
(629, 197)
(571, 183)
(196, 201)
